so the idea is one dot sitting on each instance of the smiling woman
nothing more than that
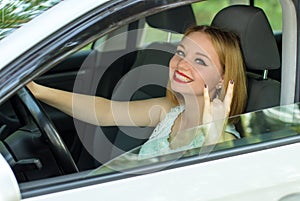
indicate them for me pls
(202, 74)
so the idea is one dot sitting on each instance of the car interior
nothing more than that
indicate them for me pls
(261, 50)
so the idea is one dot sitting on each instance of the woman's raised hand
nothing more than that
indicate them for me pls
(215, 113)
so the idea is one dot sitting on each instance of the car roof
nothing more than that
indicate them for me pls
(43, 26)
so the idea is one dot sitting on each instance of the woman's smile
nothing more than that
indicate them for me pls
(181, 77)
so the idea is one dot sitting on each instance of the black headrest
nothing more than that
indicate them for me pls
(257, 40)
(174, 20)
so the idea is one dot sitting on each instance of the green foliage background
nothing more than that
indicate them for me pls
(14, 13)
(206, 10)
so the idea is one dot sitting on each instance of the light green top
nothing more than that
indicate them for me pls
(158, 143)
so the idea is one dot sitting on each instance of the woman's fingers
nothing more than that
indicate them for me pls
(215, 112)
(206, 111)
(206, 97)
(217, 109)
(228, 96)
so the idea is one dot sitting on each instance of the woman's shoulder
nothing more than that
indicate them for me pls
(163, 128)
(165, 105)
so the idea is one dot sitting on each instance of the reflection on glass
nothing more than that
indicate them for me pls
(256, 127)
(271, 120)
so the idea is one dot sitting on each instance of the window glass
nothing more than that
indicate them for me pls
(257, 127)
(116, 40)
(151, 34)
(206, 10)
(273, 11)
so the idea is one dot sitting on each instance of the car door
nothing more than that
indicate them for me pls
(8, 182)
(260, 166)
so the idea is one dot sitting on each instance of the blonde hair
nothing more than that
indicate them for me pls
(229, 52)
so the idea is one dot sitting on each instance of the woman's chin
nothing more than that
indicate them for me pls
(182, 89)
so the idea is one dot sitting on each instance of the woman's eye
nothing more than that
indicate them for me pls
(180, 53)
(201, 62)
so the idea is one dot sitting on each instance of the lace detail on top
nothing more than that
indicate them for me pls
(164, 127)
(158, 143)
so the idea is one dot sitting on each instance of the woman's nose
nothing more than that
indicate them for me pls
(184, 64)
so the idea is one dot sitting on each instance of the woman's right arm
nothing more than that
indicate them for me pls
(101, 111)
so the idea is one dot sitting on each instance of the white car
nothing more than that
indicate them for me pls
(95, 47)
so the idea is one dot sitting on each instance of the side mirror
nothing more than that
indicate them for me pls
(9, 186)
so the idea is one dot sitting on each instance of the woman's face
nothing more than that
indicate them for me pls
(195, 64)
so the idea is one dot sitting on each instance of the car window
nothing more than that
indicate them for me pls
(257, 128)
(273, 11)
(105, 43)
(206, 10)
(204, 13)
(150, 35)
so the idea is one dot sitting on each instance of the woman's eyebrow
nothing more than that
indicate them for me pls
(182, 46)
(197, 53)
(204, 55)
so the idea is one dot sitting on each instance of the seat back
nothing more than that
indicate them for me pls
(173, 20)
(259, 50)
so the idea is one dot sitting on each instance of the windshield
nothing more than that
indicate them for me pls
(255, 128)
(13, 14)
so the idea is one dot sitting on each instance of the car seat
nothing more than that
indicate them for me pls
(259, 50)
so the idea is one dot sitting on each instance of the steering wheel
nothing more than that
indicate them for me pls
(57, 146)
